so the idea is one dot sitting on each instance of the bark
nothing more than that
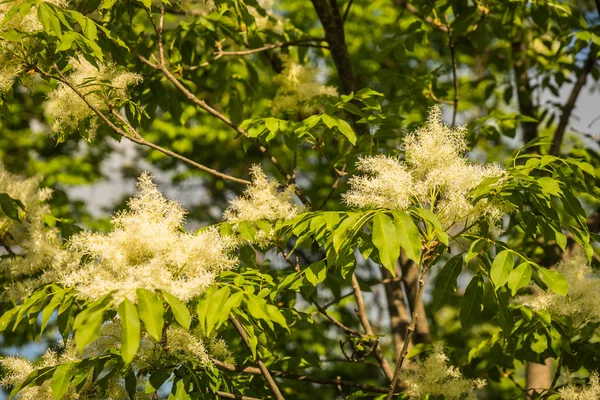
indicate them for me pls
(570, 105)
(524, 93)
(539, 377)
(331, 19)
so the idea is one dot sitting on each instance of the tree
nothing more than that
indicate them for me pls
(352, 244)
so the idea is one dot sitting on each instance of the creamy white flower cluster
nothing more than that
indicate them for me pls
(435, 377)
(297, 86)
(13, 54)
(37, 247)
(584, 293)
(181, 345)
(101, 86)
(573, 392)
(435, 174)
(262, 200)
(148, 248)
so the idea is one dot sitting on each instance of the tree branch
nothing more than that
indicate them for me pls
(202, 104)
(411, 328)
(399, 319)
(570, 105)
(454, 75)
(134, 136)
(414, 11)
(302, 378)
(263, 368)
(227, 395)
(329, 15)
(524, 91)
(220, 53)
(362, 316)
(410, 278)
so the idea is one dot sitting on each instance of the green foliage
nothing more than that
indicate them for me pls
(210, 77)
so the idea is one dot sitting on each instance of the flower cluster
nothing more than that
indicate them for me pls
(12, 54)
(572, 392)
(584, 293)
(297, 86)
(434, 174)
(101, 86)
(435, 377)
(383, 184)
(148, 248)
(37, 247)
(17, 369)
(262, 200)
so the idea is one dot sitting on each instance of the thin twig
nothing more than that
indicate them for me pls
(202, 104)
(302, 378)
(570, 104)
(227, 395)
(345, 328)
(362, 316)
(347, 11)
(411, 328)
(415, 11)
(134, 136)
(454, 75)
(220, 53)
(261, 365)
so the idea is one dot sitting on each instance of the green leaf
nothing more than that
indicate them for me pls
(341, 234)
(61, 380)
(476, 247)
(180, 311)
(7, 318)
(501, 267)
(217, 305)
(435, 222)
(519, 277)
(446, 281)
(555, 281)
(386, 241)
(11, 206)
(539, 343)
(470, 307)
(130, 330)
(549, 186)
(49, 19)
(329, 121)
(49, 309)
(346, 130)
(408, 235)
(272, 124)
(156, 380)
(152, 312)
(179, 391)
(316, 272)
(87, 326)
(66, 41)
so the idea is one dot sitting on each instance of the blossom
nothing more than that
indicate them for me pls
(584, 293)
(435, 377)
(262, 201)
(148, 248)
(385, 183)
(591, 391)
(38, 248)
(101, 86)
(435, 174)
(13, 54)
(297, 85)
